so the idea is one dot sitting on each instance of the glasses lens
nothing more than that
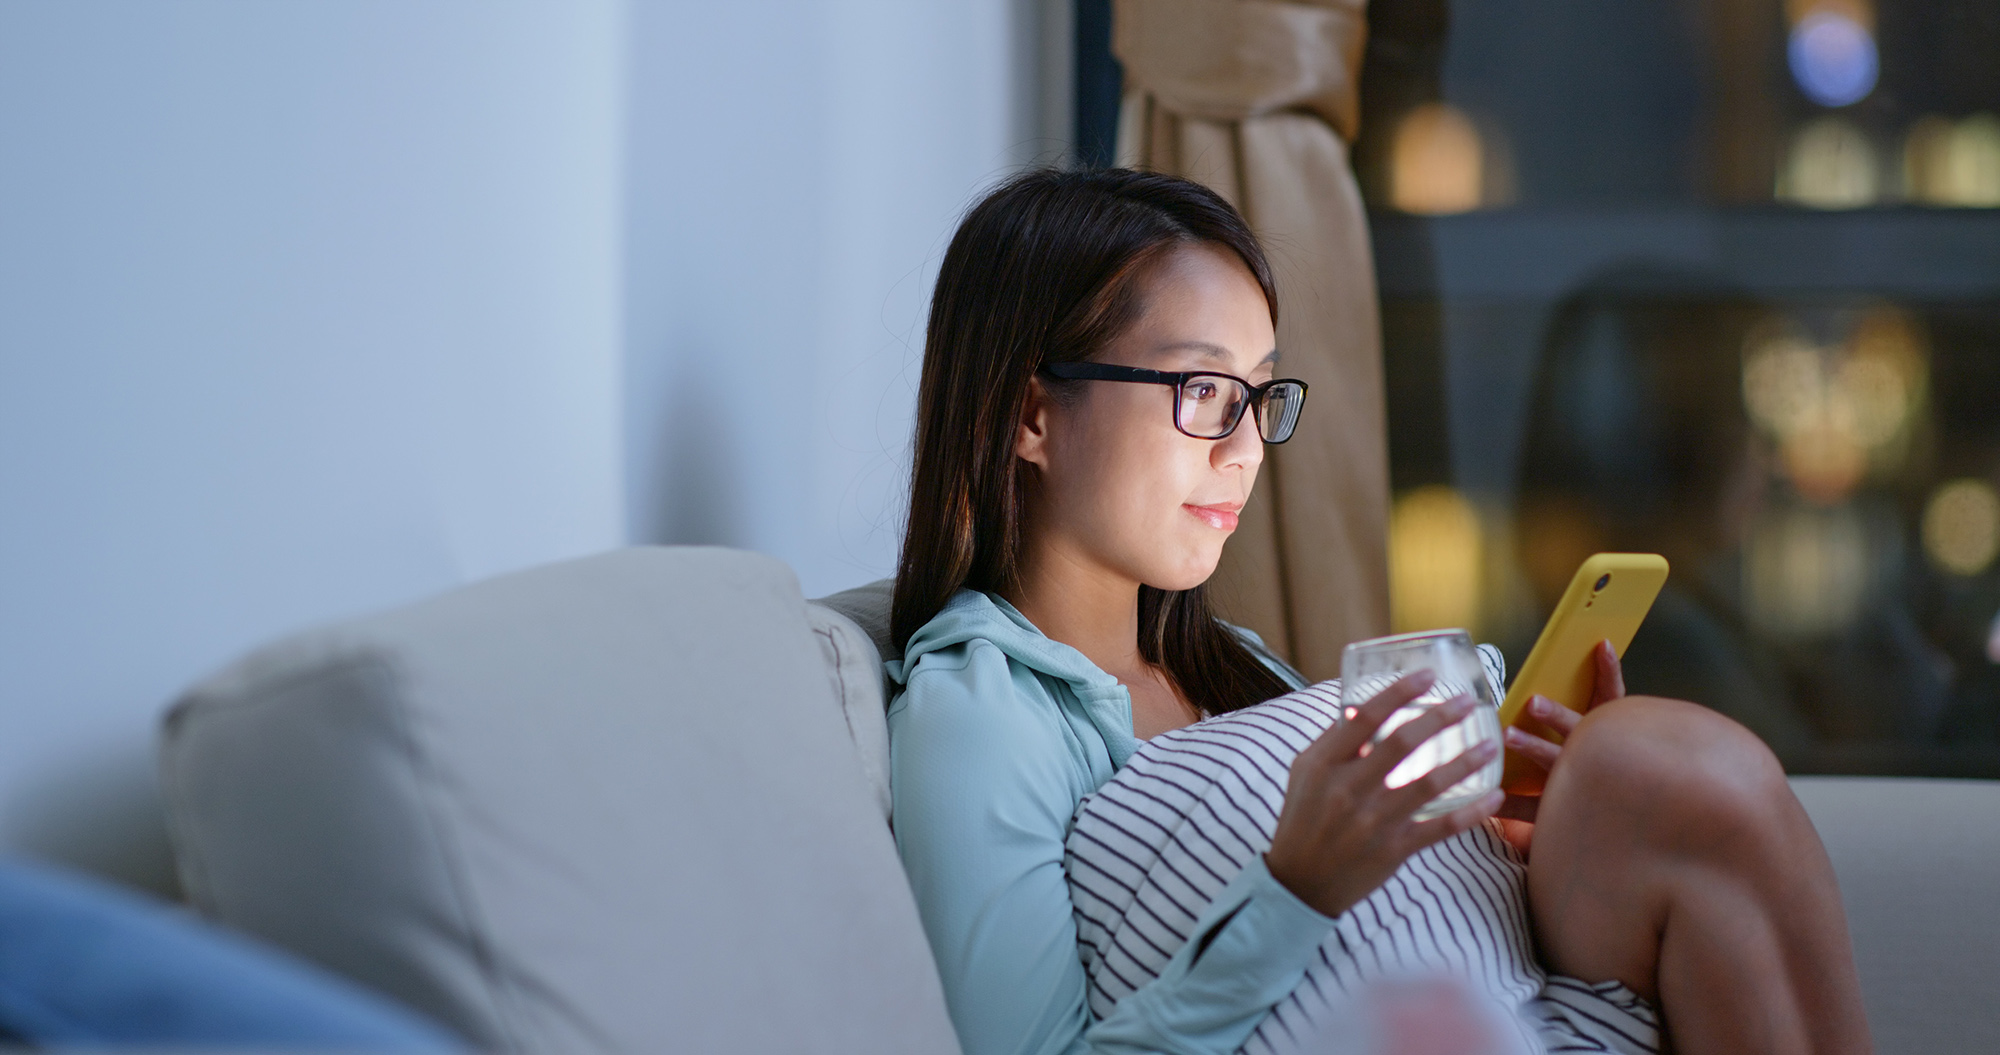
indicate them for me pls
(1278, 414)
(1211, 405)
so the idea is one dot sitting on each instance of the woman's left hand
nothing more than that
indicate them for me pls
(1543, 750)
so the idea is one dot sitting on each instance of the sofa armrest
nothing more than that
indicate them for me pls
(604, 805)
(1919, 868)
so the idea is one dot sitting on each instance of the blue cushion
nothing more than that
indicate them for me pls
(84, 963)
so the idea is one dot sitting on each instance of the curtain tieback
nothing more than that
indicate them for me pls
(1227, 60)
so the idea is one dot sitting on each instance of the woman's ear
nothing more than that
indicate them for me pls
(1031, 434)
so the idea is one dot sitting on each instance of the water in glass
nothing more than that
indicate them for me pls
(1368, 667)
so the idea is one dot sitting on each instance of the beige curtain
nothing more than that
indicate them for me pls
(1258, 99)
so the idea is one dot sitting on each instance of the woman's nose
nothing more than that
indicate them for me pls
(1241, 449)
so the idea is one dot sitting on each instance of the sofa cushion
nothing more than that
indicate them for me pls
(855, 670)
(1918, 861)
(605, 805)
(868, 606)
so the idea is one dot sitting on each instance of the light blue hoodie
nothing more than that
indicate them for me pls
(996, 736)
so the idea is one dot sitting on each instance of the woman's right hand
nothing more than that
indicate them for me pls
(1343, 831)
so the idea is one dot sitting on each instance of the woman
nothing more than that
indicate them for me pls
(1096, 340)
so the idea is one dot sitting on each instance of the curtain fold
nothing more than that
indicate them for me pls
(1259, 99)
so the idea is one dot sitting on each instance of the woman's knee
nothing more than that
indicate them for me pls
(1674, 759)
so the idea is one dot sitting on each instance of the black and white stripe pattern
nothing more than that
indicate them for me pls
(1153, 847)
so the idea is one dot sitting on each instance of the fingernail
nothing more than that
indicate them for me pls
(1485, 750)
(1516, 738)
(1540, 707)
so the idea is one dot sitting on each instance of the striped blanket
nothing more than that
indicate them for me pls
(1149, 850)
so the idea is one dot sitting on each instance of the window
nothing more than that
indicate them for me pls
(1715, 279)
(1721, 281)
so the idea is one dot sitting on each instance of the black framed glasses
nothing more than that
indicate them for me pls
(1207, 405)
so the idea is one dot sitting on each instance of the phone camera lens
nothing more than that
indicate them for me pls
(1603, 580)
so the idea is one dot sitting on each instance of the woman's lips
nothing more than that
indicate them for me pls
(1222, 518)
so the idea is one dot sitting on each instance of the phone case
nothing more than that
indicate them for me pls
(1607, 599)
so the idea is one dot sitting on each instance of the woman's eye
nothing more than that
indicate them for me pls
(1202, 391)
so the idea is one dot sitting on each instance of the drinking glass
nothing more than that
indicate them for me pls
(1368, 667)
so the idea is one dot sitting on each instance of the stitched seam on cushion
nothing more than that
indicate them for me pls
(345, 653)
(451, 858)
(869, 773)
(257, 695)
(190, 864)
(840, 685)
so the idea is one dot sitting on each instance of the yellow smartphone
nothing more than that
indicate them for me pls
(1607, 599)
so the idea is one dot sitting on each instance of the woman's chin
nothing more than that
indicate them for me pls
(1186, 577)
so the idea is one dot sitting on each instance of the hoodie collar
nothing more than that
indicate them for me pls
(972, 615)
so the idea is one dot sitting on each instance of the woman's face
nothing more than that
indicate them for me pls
(1120, 491)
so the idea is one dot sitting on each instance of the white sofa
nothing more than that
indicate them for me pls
(636, 802)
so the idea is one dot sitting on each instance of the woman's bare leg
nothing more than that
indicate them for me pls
(1671, 855)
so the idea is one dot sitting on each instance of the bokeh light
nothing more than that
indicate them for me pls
(1824, 461)
(1831, 165)
(1805, 571)
(1974, 166)
(1783, 383)
(1434, 560)
(1871, 395)
(1833, 58)
(1962, 526)
(1437, 163)
(1953, 163)
(1835, 413)
(1885, 380)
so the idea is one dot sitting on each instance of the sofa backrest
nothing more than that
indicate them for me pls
(868, 607)
(607, 805)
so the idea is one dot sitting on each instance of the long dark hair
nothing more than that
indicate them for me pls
(1045, 270)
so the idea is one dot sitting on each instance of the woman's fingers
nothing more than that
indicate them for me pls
(1344, 739)
(1533, 748)
(1554, 715)
(1390, 751)
(1410, 798)
(1610, 675)
(1380, 706)
(1437, 829)
(1539, 749)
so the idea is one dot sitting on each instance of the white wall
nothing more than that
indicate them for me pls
(306, 308)
(316, 306)
(796, 170)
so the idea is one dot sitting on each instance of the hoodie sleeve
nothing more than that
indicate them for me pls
(985, 774)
